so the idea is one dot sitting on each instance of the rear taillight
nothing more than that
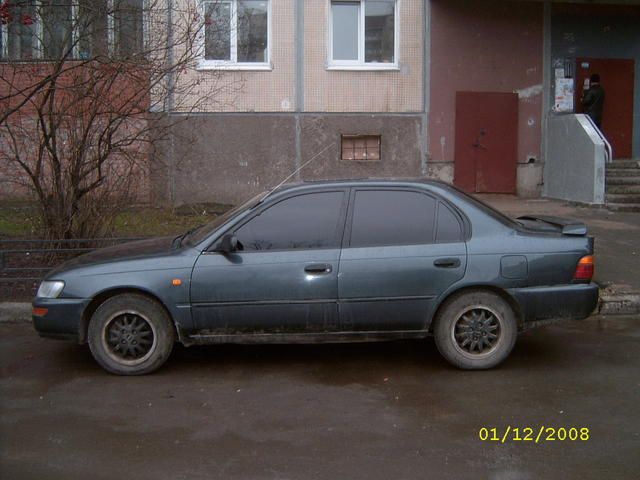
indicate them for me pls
(584, 269)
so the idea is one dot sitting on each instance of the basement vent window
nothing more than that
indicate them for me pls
(361, 147)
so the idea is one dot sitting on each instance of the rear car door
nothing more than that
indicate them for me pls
(402, 249)
(284, 279)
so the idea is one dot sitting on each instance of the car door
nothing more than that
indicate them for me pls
(284, 278)
(403, 248)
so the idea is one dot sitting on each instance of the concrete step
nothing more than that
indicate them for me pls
(622, 189)
(622, 180)
(623, 172)
(622, 198)
(624, 207)
(624, 164)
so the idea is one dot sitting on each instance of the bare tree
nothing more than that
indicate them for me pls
(81, 109)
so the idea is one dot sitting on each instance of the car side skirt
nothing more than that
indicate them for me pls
(205, 338)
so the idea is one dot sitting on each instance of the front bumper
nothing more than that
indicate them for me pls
(62, 319)
(575, 301)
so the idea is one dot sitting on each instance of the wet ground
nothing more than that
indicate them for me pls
(373, 411)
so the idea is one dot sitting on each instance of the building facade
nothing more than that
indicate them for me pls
(456, 90)
(341, 80)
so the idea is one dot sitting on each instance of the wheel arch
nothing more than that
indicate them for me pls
(504, 294)
(104, 295)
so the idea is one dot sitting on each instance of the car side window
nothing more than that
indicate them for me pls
(392, 217)
(307, 221)
(448, 229)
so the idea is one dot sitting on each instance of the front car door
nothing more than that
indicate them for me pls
(284, 277)
(403, 248)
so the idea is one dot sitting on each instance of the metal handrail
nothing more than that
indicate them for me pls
(608, 150)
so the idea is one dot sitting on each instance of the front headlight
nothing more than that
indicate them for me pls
(50, 289)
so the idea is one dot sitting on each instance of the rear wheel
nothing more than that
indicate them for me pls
(130, 334)
(475, 330)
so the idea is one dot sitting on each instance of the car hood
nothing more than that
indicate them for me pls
(125, 251)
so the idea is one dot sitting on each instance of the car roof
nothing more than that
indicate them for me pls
(356, 182)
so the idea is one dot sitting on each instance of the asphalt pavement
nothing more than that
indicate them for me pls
(371, 411)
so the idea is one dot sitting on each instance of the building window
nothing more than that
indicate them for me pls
(363, 34)
(18, 27)
(236, 33)
(56, 21)
(70, 29)
(93, 28)
(128, 28)
(361, 147)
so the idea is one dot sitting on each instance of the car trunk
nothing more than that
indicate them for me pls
(545, 223)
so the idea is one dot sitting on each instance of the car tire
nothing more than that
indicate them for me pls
(130, 334)
(475, 330)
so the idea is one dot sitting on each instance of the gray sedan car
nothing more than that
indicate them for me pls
(340, 261)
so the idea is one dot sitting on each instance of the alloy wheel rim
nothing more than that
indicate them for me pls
(477, 331)
(129, 338)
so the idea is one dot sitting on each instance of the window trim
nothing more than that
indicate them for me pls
(38, 47)
(352, 204)
(344, 136)
(204, 64)
(340, 227)
(465, 225)
(456, 215)
(360, 64)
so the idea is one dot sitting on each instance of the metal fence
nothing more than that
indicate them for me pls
(24, 262)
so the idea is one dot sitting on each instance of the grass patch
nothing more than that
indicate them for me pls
(22, 221)
(19, 220)
(157, 222)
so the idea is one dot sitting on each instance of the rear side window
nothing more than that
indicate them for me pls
(303, 222)
(392, 217)
(449, 229)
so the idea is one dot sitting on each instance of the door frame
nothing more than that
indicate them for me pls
(459, 160)
(579, 89)
(234, 225)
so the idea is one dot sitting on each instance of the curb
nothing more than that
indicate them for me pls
(627, 303)
(15, 312)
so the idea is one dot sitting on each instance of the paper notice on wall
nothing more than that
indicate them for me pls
(559, 72)
(564, 95)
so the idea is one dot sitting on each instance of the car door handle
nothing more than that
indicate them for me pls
(318, 268)
(447, 262)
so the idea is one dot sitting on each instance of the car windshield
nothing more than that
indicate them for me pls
(200, 233)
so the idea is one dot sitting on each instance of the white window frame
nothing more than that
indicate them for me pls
(232, 64)
(4, 33)
(35, 46)
(360, 64)
(75, 7)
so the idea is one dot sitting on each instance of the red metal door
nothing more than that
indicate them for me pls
(486, 148)
(616, 77)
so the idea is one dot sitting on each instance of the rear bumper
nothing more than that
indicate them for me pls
(576, 301)
(62, 319)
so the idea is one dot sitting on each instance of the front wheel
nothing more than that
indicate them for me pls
(130, 334)
(475, 330)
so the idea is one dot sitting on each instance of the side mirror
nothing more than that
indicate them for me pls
(228, 244)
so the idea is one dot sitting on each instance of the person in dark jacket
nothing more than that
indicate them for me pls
(593, 100)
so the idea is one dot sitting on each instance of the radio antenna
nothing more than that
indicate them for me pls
(298, 169)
